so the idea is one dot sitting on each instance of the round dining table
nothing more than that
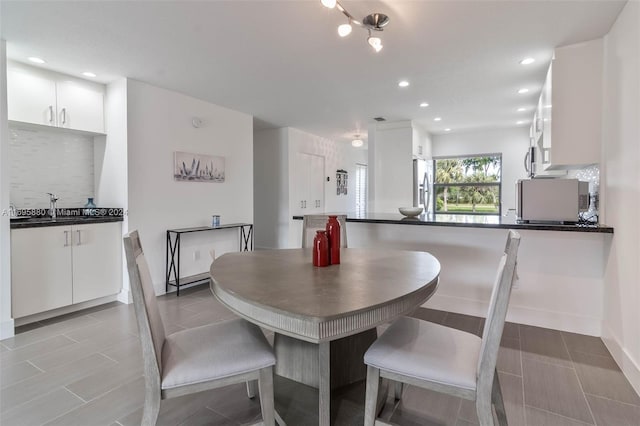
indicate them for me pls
(324, 318)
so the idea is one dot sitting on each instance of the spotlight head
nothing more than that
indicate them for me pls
(344, 30)
(329, 3)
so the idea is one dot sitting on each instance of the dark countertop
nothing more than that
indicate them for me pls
(468, 221)
(38, 222)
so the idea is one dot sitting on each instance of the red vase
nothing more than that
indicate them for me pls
(320, 249)
(333, 233)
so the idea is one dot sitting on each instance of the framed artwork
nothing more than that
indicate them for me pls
(341, 182)
(188, 167)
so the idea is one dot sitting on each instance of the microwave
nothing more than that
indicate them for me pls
(551, 200)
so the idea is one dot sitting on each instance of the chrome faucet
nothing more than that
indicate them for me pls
(52, 205)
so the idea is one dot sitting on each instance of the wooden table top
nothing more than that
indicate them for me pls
(283, 291)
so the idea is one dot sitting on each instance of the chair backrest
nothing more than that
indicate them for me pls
(494, 324)
(150, 325)
(313, 222)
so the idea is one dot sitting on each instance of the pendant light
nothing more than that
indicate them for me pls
(371, 22)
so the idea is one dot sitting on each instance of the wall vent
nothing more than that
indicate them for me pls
(379, 118)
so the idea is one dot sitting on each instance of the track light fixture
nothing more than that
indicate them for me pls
(372, 22)
(344, 29)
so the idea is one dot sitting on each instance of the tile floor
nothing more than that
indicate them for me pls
(85, 369)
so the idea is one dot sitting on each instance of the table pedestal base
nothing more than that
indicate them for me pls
(324, 366)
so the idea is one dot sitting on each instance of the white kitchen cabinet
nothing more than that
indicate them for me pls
(58, 266)
(572, 99)
(96, 261)
(41, 97)
(80, 107)
(31, 98)
(308, 184)
(40, 269)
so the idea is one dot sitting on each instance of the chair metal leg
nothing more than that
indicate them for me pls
(498, 402)
(265, 385)
(252, 388)
(151, 408)
(371, 397)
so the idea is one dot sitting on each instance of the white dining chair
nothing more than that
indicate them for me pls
(313, 222)
(443, 359)
(195, 359)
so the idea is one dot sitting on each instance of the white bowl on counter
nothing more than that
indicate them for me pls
(410, 211)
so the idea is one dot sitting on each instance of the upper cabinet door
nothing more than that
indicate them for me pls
(80, 107)
(30, 97)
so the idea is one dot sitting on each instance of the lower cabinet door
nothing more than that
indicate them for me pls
(97, 260)
(40, 269)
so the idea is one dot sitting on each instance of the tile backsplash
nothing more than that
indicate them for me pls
(589, 174)
(50, 161)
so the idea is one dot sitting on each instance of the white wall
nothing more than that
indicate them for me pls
(110, 162)
(391, 178)
(422, 138)
(511, 143)
(159, 123)
(337, 155)
(620, 190)
(274, 156)
(6, 322)
(271, 187)
(44, 160)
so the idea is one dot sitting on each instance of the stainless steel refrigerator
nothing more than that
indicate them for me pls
(423, 184)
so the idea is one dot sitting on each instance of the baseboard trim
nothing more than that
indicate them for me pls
(64, 310)
(7, 329)
(519, 314)
(629, 367)
(125, 297)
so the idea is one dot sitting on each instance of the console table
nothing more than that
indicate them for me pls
(172, 270)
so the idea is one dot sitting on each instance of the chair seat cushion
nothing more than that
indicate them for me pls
(427, 351)
(214, 351)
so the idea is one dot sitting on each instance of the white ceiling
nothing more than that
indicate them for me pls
(283, 62)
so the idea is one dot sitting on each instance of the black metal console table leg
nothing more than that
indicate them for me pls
(173, 263)
(246, 238)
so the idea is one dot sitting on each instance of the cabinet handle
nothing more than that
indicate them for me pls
(79, 238)
(64, 115)
(66, 238)
(51, 114)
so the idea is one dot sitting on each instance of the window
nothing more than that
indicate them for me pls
(468, 184)
(361, 188)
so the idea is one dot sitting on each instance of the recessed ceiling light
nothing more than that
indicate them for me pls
(437, 119)
(522, 109)
(523, 90)
(403, 83)
(547, 106)
(357, 143)
(89, 74)
(520, 122)
(37, 60)
(447, 130)
(527, 61)
(424, 105)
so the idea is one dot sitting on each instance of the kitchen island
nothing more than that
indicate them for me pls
(470, 221)
(561, 268)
